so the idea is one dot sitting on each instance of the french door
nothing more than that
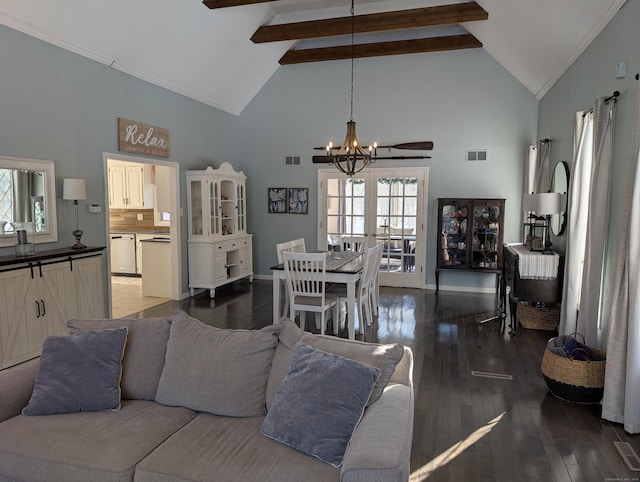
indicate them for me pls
(388, 206)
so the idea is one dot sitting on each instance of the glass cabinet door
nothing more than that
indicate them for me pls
(486, 234)
(196, 208)
(454, 234)
(227, 207)
(240, 207)
(214, 206)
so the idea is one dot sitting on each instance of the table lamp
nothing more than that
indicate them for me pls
(546, 204)
(75, 190)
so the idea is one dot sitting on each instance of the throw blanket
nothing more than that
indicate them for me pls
(535, 265)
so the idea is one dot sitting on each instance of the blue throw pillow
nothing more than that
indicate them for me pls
(320, 403)
(79, 373)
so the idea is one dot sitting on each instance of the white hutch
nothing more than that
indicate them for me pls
(219, 247)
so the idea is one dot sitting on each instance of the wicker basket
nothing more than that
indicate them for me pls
(578, 381)
(536, 317)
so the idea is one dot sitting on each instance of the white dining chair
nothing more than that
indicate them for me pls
(355, 244)
(297, 246)
(367, 289)
(306, 279)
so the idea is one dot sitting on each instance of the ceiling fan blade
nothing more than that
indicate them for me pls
(325, 159)
(409, 146)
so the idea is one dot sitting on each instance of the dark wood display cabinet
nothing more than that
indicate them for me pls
(470, 237)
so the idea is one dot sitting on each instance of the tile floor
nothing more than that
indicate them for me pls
(126, 296)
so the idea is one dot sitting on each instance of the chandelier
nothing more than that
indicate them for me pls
(351, 157)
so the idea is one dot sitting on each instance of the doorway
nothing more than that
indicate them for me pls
(150, 210)
(388, 206)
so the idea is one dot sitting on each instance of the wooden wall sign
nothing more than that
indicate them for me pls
(142, 138)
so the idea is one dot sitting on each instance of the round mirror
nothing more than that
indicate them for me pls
(560, 184)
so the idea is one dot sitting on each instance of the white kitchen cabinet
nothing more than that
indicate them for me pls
(41, 294)
(126, 185)
(220, 250)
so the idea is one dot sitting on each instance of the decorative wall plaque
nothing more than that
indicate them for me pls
(140, 138)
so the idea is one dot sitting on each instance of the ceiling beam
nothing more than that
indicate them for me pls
(398, 47)
(231, 3)
(374, 22)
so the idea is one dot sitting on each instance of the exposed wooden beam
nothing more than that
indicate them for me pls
(399, 47)
(374, 22)
(231, 3)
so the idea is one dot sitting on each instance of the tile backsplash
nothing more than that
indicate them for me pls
(126, 220)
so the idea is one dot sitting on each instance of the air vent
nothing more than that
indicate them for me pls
(292, 160)
(476, 155)
(629, 455)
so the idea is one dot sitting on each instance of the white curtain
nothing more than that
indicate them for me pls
(622, 307)
(579, 185)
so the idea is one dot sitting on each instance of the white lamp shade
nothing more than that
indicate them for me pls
(74, 189)
(546, 203)
(528, 202)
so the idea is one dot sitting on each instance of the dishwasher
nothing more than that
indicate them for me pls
(123, 253)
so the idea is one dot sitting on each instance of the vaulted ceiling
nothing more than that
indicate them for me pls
(222, 52)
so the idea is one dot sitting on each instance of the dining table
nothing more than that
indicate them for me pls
(345, 268)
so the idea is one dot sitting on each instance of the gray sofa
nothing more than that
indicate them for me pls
(194, 399)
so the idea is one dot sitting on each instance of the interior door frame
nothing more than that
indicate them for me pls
(421, 224)
(175, 223)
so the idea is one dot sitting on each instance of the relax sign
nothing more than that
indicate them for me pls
(142, 138)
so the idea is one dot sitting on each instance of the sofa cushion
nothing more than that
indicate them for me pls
(229, 449)
(143, 356)
(319, 403)
(217, 371)
(79, 373)
(96, 447)
(288, 335)
(383, 357)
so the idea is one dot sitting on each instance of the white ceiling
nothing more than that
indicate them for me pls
(207, 55)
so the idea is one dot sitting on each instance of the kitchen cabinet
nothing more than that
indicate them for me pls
(220, 249)
(41, 294)
(471, 234)
(126, 185)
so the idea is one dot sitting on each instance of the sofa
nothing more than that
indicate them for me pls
(186, 401)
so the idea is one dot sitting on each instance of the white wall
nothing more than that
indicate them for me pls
(459, 100)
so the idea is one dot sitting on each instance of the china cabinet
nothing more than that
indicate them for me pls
(470, 236)
(41, 293)
(220, 250)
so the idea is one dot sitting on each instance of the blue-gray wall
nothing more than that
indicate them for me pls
(60, 106)
(594, 75)
(459, 100)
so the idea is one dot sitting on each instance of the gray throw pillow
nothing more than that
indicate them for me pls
(384, 357)
(223, 372)
(144, 355)
(79, 373)
(320, 403)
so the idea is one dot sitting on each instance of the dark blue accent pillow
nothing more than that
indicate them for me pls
(79, 373)
(320, 403)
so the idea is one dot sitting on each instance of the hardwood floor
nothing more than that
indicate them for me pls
(505, 427)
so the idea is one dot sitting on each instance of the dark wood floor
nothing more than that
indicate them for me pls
(467, 428)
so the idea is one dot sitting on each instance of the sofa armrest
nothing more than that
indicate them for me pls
(16, 385)
(380, 447)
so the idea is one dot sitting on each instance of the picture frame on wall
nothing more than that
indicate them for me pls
(277, 199)
(298, 200)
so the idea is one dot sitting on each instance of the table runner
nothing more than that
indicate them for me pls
(535, 265)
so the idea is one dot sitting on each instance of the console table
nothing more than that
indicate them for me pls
(531, 276)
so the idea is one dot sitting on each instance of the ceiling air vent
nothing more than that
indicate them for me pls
(476, 155)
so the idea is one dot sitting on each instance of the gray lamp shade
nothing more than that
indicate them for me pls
(74, 189)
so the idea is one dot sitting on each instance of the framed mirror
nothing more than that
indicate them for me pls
(27, 195)
(560, 184)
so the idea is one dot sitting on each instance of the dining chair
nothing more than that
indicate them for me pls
(367, 289)
(297, 246)
(355, 244)
(306, 274)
